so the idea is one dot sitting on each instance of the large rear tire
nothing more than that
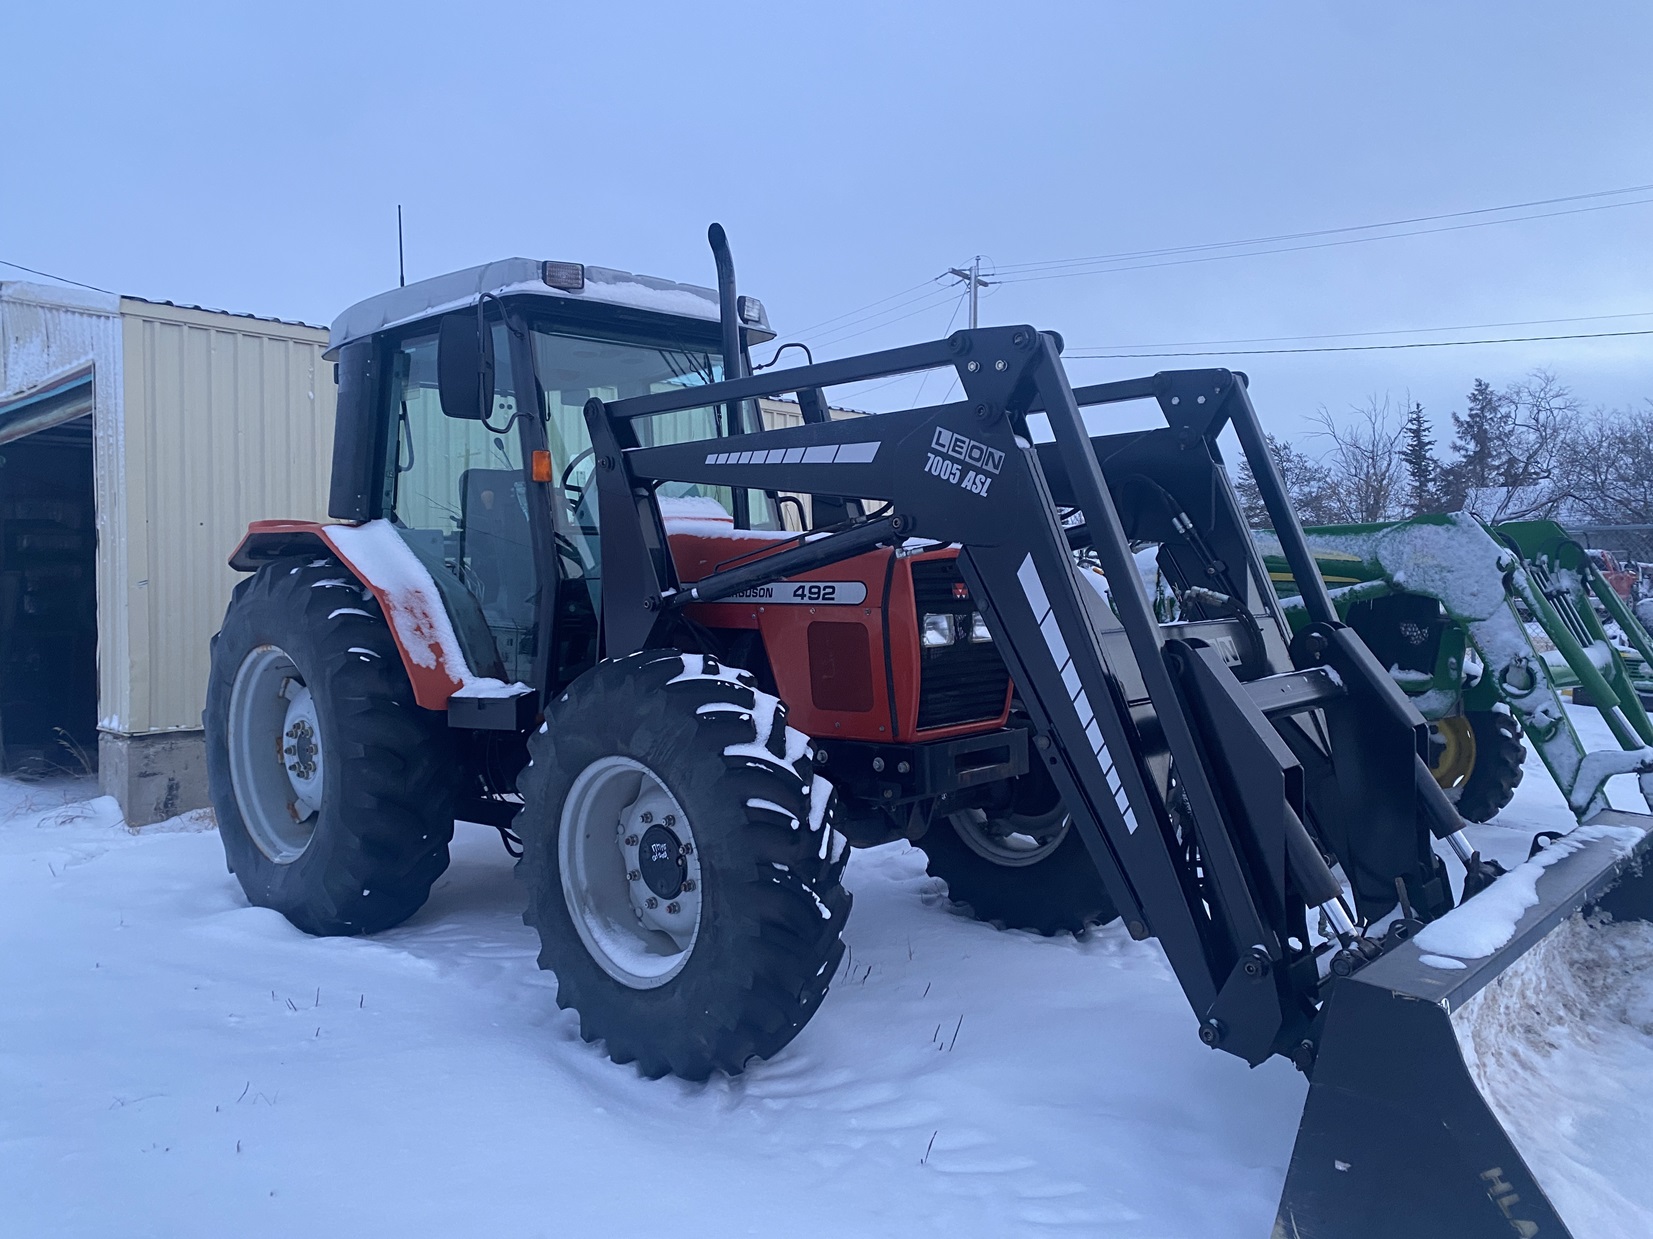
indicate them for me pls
(334, 792)
(681, 866)
(1020, 867)
(1498, 768)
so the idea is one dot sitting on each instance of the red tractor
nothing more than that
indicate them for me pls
(397, 663)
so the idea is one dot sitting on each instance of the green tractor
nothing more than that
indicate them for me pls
(1484, 627)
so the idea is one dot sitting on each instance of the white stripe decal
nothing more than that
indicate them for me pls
(825, 454)
(1053, 638)
(1034, 589)
(1070, 677)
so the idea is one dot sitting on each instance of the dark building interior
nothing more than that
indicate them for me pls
(48, 601)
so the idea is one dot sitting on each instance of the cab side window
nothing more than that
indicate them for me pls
(462, 497)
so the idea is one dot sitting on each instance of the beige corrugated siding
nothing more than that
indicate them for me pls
(225, 420)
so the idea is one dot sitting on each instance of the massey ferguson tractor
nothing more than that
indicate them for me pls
(560, 599)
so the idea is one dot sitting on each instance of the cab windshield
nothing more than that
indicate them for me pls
(572, 369)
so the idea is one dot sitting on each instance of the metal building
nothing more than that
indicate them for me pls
(137, 440)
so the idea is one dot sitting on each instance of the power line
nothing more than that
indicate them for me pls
(945, 333)
(849, 313)
(61, 279)
(1290, 249)
(1054, 268)
(1085, 355)
(1399, 331)
(931, 295)
(929, 303)
(1321, 232)
(901, 378)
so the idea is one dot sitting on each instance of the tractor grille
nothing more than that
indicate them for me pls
(965, 682)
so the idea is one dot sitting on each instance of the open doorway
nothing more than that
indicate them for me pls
(48, 601)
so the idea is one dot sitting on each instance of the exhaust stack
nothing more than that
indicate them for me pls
(728, 304)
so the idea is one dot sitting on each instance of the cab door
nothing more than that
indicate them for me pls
(463, 497)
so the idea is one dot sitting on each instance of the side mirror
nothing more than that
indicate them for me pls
(465, 365)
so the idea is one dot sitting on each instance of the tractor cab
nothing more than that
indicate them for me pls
(461, 419)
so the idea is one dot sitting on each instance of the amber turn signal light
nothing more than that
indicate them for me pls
(540, 465)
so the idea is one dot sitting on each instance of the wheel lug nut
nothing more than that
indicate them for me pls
(647, 816)
(688, 884)
(671, 819)
(674, 907)
(631, 841)
(651, 902)
(686, 850)
(633, 876)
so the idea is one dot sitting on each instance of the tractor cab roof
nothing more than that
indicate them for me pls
(530, 277)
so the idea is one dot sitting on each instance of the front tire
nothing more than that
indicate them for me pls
(1022, 866)
(334, 792)
(1498, 767)
(681, 867)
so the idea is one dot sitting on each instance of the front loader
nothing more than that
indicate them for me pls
(1255, 799)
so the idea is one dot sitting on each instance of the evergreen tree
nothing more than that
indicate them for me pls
(1422, 469)
(1478, 436)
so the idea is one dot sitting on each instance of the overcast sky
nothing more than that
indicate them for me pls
(253, 160)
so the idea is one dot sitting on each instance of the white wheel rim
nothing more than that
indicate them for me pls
(999, 840)
(275, 751)
(630, 872)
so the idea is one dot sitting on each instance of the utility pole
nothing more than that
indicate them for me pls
(973, 281)
(401, 262)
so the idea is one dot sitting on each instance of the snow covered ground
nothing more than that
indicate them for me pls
(175, 1063)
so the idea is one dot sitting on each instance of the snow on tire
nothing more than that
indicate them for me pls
(681, 865)
(334, 792)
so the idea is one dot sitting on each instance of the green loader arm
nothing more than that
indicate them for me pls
(1478, 577)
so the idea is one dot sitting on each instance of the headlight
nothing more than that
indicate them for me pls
(978, 628)
(938, 631)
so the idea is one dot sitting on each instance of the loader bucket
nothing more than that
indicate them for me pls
(1439, 1103)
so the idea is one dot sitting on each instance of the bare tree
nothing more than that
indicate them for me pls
(1364, 463)
(1512, 449)
(1607, 465)
(1308, 486)
(1544, 414)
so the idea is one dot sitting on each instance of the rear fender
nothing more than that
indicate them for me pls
(437, 624)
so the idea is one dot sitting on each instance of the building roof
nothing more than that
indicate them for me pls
(207, 309)
(517, 276)
(62, 295)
